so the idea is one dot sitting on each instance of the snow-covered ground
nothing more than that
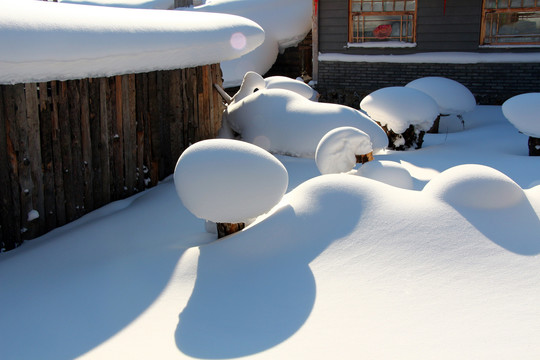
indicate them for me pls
(344, 267)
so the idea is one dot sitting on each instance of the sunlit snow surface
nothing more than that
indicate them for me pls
(345, 267)
(41, 41)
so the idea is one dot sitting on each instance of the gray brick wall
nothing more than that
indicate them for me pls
(491, 83)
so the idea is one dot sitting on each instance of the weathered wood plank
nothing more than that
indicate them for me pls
(66, 146)
(141, 83)
(166, 165)
(86, 145)
(74, 102)
(47, 158)
(118, 142)
(9, 231)
(129, 133)
(104, 124)
(154, 93)
(59, 190)
(37, 217)
(94, 118)
(176, 125)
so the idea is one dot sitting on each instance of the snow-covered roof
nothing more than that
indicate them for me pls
(41, 41)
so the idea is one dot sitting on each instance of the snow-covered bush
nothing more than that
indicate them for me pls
(452, 97)
(475, 186)
(405, 113)
(285, 122)
(229, 181)
(337, 150)
(388, 172)
(523, 111)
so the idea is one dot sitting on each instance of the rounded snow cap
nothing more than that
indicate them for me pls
(475, 186)
(229, 181)
(337, 150)
(451, 96)
(388, 172)
(523, 111)
(399, 107)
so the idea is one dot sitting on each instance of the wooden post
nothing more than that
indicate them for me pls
(534, 146)
(182, 3)
(225, 229)
(362, 159)
(315, 40)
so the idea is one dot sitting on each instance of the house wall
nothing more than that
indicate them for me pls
(456, 29)
(69, 147)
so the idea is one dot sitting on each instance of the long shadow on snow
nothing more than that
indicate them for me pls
(510, 228)
(78, 289)
(255, 289)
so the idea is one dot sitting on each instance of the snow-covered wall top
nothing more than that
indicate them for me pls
(42, 41)
(437, 58)
(141, 4)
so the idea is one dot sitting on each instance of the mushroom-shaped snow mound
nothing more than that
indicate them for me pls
(523, 111)
(300, 87)
(475, 186)
(388, 172)
(229, 181)
(451, 96)
(398, 107)
(337, 150)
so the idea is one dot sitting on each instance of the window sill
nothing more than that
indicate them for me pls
(388, 44)
(508, 46)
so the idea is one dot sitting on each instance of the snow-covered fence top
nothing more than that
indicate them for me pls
(42, 41)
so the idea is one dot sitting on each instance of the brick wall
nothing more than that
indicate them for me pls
(491, 83)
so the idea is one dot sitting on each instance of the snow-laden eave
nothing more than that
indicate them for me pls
(437, 58)
(41, 41)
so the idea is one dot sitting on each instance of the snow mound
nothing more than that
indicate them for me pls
(42, 41)
(388, 172)
(229, 181)
(140, 4)
(284, 122)
(337, 150)
(285, 24)
(300, 87)
(475, 186)
(523, 111)
(399, 107)
(451, 96)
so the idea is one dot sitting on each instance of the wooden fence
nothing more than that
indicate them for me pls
(69, 147)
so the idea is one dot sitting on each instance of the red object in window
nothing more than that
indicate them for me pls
(383, 31)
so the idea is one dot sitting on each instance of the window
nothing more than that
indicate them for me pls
(378, 21)
(511, 22)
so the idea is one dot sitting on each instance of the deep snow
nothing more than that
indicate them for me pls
(42, 41)
(344, 267)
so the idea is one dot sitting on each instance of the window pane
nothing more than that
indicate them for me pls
(410, 6)
(529, 3)
(400, 5)
(508, 28)
(515, 4)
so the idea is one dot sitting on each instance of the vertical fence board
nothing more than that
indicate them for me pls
(128, 134)
(58, 166)
(118, 143)
(74, 104)
(141, 84)
(95, 142)
(176, 128)
(12, 143)
(47, 158)
(9, 231)
(86, 145)
(105, 119)
(34, 156)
